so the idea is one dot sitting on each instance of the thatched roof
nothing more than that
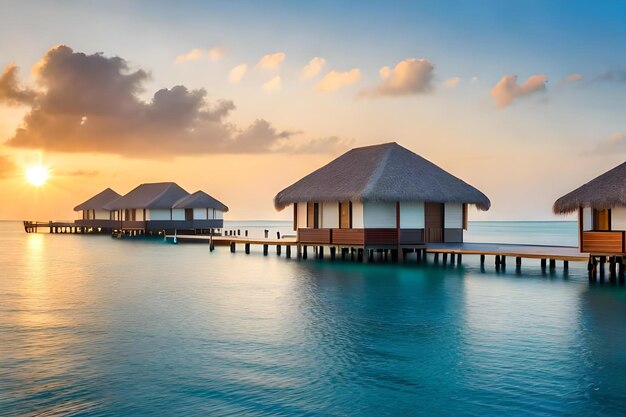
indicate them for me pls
(98, 201)
(158, 195)
(606, 191)
(200, 199)
(386, 172)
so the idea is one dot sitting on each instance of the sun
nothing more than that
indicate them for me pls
(37, 175)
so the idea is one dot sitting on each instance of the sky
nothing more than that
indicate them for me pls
(525, 100)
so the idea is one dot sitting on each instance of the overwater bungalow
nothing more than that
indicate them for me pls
(93, 213)
(380, 197)
(166, 206)
(601, 208)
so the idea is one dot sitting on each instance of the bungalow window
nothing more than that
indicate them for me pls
(111, 215)
(312, 215)
(188, 214)
(602, 219)
(345, 215)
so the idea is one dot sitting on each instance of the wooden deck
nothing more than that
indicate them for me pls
(560, 253)
(228, 240)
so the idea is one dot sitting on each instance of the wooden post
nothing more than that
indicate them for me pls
(543, 264)
(232, 247)
(299, 252)
(552, 264)
(482, 259)
(518, 260)
(343, 253)
(265, 247)
(333, 250)
(288, 251)
(247, 247)
(612, 268)
(602, 262)
(436, 257)
(304, 252)
(320, 252)
(445, 258)
(620, 268)
(566, 265)
(503, 260)
(459, 258)
(278, 249)
(497, 260)
(451, 259)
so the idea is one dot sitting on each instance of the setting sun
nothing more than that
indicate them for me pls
(37, 175)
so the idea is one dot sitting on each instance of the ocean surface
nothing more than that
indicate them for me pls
(95, 326)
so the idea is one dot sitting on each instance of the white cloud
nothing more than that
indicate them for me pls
(193, 55)
(335, 80)
(411, 76)
(507, 89)
(313, 68)
(236, 74)
(271, 61)
(273, 85)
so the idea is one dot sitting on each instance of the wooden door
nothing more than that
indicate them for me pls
(601, 220)
(433, 222)
(188, 214)
(312, 213)
(345, 215)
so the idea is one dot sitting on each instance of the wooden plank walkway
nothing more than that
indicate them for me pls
(227, 240)
(560, 253)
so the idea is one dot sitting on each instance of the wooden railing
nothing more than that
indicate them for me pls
(607, 242)
(348, 236)
(321, 236)
(381, 236)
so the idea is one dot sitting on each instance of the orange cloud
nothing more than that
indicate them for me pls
(507, 89)
(411, 76)
(10, 90)
(196, 54)
(271, 61)
(451, 82)
(335, 80)
(273, 85)
(237, 73)
(313, 68)
(90, 103)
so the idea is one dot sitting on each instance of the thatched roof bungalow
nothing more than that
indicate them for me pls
(93, 211)
(379, 196)
(601, 207)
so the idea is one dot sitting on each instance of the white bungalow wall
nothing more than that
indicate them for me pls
(357, 215)
(178, 214)
(587, 218)
(412, 215)
(103, 215)
(158, 214)
(618, 218)
(379, 215)
(219, 214)
(301, 215)
(200, 213)
(330, 215)
(453, 216)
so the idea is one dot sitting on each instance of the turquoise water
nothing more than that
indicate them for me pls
(94, 326)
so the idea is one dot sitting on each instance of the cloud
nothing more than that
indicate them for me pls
(327, 145)
(7, 167)
(77, 173)
(313, 68)
(10, 90)
(613, 75)
(451, 82)
(91, 103)
(334, 80)
(411, 76)
(271, 61)
(273, 85)
(196, 54)
(236, 74)
(616, 144)
(215, 54)
(507, 89)
(572, 78)
(193, 55)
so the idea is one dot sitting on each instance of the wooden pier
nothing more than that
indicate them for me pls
(444, 253)
(60, 228)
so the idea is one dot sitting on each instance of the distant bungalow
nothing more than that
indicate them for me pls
(377, 197)
(601, 207)
(153, 207)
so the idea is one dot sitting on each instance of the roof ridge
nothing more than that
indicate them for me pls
(378, 171)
